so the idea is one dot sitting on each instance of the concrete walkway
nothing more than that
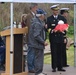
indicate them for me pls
(47, 69)
(69, 71)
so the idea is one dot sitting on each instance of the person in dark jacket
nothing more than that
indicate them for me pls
(56, 39)
(36, 40)
(2, 54)
(64, 12)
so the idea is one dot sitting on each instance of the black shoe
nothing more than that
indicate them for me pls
(31, 71)
(66, 66)
(62, 70)
(54, 70)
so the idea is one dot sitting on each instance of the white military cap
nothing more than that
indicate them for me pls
(62, 10)
(55, 7)
(66, 9)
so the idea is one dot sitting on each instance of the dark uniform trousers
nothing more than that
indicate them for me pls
(64, 55)
(56, 41)
(56, 51)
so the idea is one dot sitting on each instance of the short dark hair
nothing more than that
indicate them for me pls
(33, 5)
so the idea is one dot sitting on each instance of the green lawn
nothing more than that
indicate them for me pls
(70, 57)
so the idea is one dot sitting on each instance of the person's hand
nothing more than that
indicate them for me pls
(63, 32)
(45, 26)
(65, 40)
(45, 43)
(49, 30)
(54, 31)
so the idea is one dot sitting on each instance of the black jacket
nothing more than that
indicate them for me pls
(52, 22)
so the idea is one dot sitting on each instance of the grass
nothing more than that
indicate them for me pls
(70, 57)
(70, 31)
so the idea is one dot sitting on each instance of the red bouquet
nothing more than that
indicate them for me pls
(61, 26)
